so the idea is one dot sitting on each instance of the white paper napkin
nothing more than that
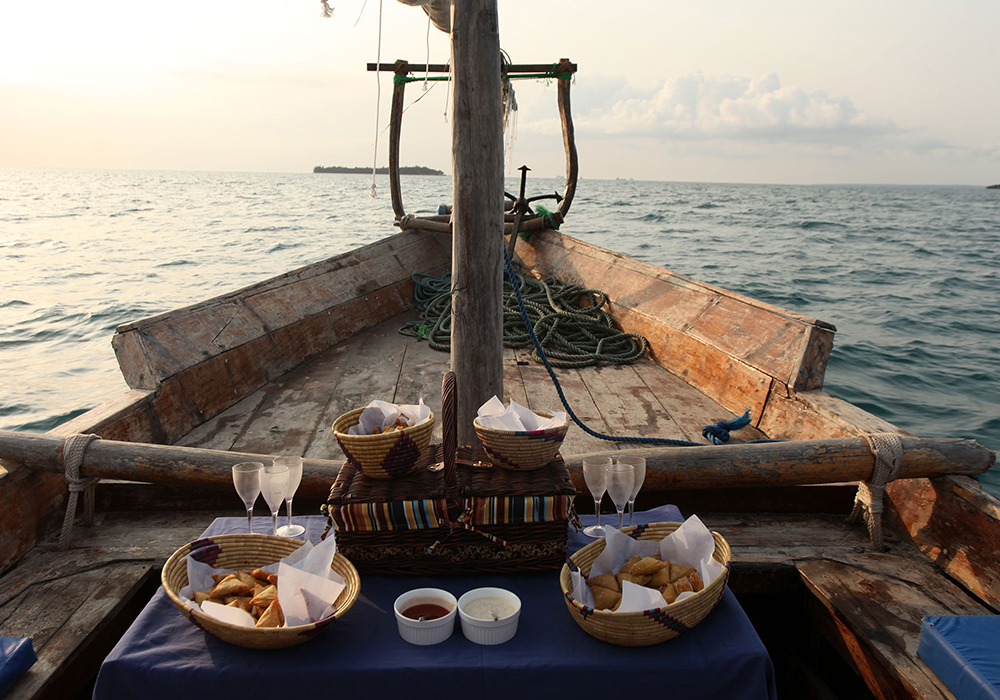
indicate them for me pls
(691, 544)
(494, 416)
(382, 414)
(307, 586)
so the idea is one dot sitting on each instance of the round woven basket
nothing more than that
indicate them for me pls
(385, 456)
(522, 450)
(638, 629)
(236, 552)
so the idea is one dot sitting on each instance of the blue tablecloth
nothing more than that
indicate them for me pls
(164, 656)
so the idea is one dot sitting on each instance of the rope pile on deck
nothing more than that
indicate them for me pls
(569, 320)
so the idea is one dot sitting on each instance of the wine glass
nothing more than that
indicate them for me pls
(594, 475)
(246, 478)
(294, 465)
(620, 478)
(639, 469)
(274, 485)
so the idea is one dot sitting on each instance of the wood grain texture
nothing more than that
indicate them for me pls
(956, 524)
(712, 337)
(872, 607)
(477, 214)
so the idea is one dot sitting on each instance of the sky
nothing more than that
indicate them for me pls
(775, 91)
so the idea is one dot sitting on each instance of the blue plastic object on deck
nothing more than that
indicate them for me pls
(964, 652)
(16, 656)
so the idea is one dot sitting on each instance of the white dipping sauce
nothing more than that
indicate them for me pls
(489, 608)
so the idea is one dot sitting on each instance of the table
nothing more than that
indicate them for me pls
(162, 655)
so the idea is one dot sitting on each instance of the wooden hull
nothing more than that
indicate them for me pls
(204, 382)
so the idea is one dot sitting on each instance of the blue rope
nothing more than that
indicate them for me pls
(555, 380)
(718, 432)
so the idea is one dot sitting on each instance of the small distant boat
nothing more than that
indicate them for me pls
(266, 369)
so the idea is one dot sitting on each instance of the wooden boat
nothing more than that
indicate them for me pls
(266, 369)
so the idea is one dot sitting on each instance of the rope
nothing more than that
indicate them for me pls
(573, 336)
(888, 452)
(74, 448)
(577, 338)
(373, 193)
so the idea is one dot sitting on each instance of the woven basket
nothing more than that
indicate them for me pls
(522, 450)
(650, 626)
(386, 456)
(247, 552)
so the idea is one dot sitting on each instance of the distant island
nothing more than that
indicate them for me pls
(993, 187)
(403, 170)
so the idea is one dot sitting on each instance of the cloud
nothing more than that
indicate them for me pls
(696, 107)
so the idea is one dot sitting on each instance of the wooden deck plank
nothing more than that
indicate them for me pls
(873, 606)
(369, 370)
(69, 656)
(627, 405)
(542, 396)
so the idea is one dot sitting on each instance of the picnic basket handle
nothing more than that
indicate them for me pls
(449, 432)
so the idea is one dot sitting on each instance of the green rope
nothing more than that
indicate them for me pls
(569, 320)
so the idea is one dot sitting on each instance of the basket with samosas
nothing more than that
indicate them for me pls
(646, 588)
(237, 600)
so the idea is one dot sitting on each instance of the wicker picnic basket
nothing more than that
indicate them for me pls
(234, 552)
(521, 449)
(650, 626)
(385, 456)
(464, 517)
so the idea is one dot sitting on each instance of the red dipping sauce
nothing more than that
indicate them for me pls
(428, 611)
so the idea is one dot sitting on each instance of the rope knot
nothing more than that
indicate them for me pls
(887, 449)
(719, 431)
(73, 451)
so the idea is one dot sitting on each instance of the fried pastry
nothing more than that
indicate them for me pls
(669, 593)
(607, 580)
(696, 583)
(679, 571)
(648, 565)
(634, 578)
(605, 598)
(273, 616)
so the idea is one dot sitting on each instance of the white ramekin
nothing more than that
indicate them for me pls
(429, 631)
(489, 631)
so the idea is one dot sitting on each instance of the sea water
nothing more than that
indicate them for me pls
(909, 275)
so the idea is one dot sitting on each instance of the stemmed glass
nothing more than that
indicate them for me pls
(620, 478)
(638, 465)
(274, 485)
(246, 478)
(294, 465)
(594, 474)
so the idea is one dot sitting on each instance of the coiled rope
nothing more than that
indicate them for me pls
(578, 336)
(888, 452)
(573, 335)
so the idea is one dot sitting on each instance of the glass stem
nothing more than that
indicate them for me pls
(250, 520)
(631, 511)
(621, 517)
(288, 507)
(597, 512)
(274, 521)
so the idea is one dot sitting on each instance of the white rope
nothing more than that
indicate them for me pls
(427, 61)
(378, 100)
(74, 448)
(888, 452)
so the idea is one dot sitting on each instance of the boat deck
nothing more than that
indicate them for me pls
(293, 413)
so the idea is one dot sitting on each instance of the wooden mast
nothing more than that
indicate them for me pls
(477, 216)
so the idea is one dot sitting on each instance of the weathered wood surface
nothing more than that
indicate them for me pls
(202, 359)
(76, 604)
(395, 130)
(668, 468)
(955, 523)
(569, 137)
(871, 608)
(726, 345)
(800, 462)
(477, 213)
(31, 499)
